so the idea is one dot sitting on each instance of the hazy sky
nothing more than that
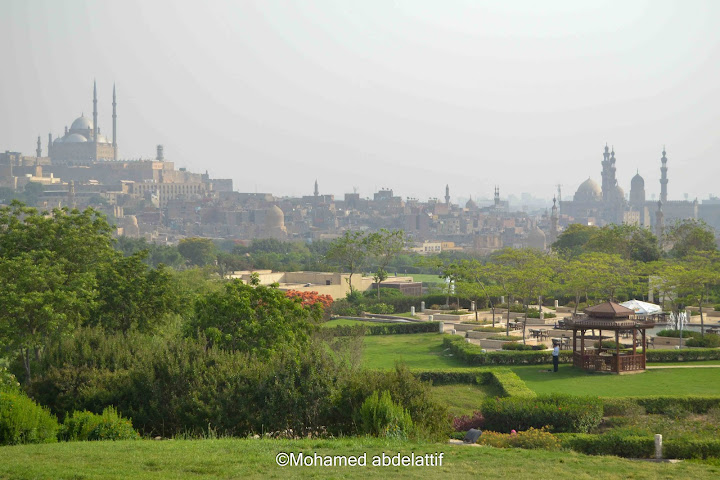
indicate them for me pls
(409, 95)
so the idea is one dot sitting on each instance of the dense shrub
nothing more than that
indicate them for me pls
(473, 355)
(509, 338)
(8, 382)
(629, 446)
(708, 341)
(676, 333)
(381, 417)
(89, 426)
(384, 328)
(531, 438)
(24, 421)
(689, 403)
(561, 413)
(379, 308)
(521, 346)
(684, 355)
(463, 423)
(692, 448)
(621, 406)
(536, 314)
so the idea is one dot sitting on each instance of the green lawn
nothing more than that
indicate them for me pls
(427, 278)
(244, 458)
(670, 381)
(463, 399)
(343, 321)
(423, 351)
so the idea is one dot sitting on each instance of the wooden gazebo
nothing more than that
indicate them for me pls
(611, 317)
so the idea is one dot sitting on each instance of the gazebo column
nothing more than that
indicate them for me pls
(634, 341)
(617, 351)
(582, 348)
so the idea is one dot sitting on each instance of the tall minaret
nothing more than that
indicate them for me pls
(554, 221)
(659, 223)
(663, 177)
(114, 117)
(497, 196)
(317, 190)
(38, 150)
(49, 143)
(95, 124)
(447, 195)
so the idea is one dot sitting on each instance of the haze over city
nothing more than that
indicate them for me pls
(407, 95)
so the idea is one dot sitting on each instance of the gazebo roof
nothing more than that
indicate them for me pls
(609, 310)
(608, 324)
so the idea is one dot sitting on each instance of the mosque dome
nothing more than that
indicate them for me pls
(102, 139)
(471, 205)
(274, 217)
(588, 191)
(637, 182)
(57, 140)
(74, 138)
(82, 123)
(620, 193)
(536, 238)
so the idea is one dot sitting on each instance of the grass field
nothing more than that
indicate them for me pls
(343, 321)
(463, 399)
(418, 351)
(427, 278)
(243, 458)
(667, 381)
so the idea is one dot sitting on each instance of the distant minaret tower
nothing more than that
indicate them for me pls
(317, 190)
(663, 177)
(49, 143)
(71, 194)
(114, 117)
(447, 194)
(38, 150)
(160, 155)
(659, 223)
(608, 175)
(95, 124)
(497, 196)
(554, 221)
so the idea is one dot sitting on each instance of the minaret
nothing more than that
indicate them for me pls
(663, 177)
(49, 143)
(553, 221)
(38, 150)
(447, 195)
(95, 124)
(71, 194)
(659, 223)
(497, 196)
(114, 117)
(317, 190)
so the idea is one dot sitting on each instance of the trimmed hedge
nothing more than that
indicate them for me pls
(684, 355)
(522, 347)
(385, 329)
(633, 446)
(24, 421)
(509, 383)
(561, 413)
(473, 355)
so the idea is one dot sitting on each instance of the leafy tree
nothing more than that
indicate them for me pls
(254, 318)
(384, 246)
(48, 262)
(689, 236)
(349, 253)
(572, 240)
(198, 251)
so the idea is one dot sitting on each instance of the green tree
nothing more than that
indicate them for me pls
(349, 253)
(384, 246)
(255, 318)
(689, 236)
(571, 242)
(198, 251)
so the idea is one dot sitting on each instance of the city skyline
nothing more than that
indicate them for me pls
(276, 95)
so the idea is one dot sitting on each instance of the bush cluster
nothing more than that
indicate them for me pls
(621, 406)
(503, 378)
(521, 346)
(24, 421)
(561, 413)
(384, 329)
(532, 438)
(684, 355)
(628, 446)
(509, 338)
(85, 426)
(463, 423)
(710, 340)
(381, 417)
(473, 355)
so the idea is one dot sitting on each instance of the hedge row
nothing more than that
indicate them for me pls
(384, 329)
(560, 413)
(473, 355)
(506, 380)
(664, 404)
(639, 446)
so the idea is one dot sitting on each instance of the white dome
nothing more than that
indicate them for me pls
(57, 140)
(82, 123)
(588, 191)
(102, 139)
(74, 138)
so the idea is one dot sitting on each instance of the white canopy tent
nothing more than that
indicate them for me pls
(642, 308)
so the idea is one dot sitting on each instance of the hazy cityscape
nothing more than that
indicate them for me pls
(377, 239)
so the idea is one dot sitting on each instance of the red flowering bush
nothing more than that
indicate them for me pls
(463, 423)
(313, 300)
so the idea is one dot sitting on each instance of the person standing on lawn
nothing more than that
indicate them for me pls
(556, 357)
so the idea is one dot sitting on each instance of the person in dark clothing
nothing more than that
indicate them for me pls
(556, 357)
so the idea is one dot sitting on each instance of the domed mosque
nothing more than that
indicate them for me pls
(275, 223)
(83, 143)
(595, 204)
